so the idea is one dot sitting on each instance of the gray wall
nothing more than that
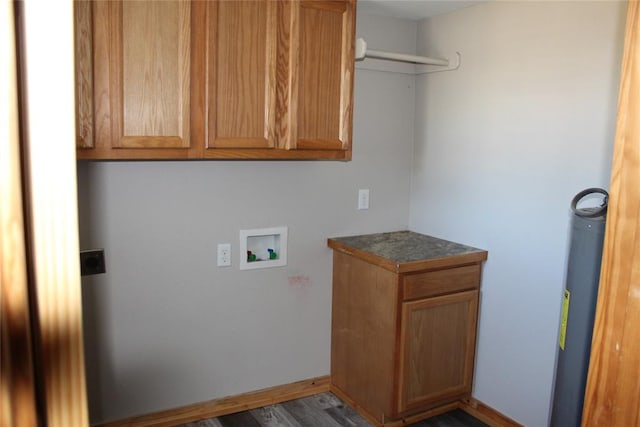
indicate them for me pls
(164, 326)
(501, 147)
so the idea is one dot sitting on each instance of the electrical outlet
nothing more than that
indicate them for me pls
(363, 199)
(224, 254)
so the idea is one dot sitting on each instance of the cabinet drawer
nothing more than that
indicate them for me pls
(441, 282)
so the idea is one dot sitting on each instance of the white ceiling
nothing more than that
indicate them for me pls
(412, 9)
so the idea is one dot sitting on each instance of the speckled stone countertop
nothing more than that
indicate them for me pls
(405, 247)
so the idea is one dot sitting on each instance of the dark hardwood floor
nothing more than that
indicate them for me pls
(321, 410)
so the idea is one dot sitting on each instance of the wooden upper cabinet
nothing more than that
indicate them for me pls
(141, 82)
(279, 79)
(321, 75)
(255, 79)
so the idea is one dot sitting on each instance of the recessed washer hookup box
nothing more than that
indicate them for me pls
(263, 248)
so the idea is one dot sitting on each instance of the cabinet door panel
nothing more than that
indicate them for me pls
(155, 53)
(241, 81)
(320, 61)
(323, 74)
(139, 64)
(437, 354)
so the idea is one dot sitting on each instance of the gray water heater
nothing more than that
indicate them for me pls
(578, 309)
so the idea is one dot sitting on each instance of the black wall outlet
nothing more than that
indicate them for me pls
(92, 262)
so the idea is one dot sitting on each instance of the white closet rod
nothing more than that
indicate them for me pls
(362, 52)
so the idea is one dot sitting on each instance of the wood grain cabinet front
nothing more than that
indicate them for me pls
(437, 347)
(255, 79)
(321, 77)
(133, 73)
(403, 335)
(240, 79)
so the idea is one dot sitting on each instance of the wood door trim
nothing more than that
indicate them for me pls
(51, 211)
(226, 405)
(612, 393)
(17, 382)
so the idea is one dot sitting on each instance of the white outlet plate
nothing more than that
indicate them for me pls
(224, 254)
(363, 199)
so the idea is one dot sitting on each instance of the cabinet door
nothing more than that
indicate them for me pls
(141, 79)
(83, 38)
(437, 350)
(241, 76)
(321, 76)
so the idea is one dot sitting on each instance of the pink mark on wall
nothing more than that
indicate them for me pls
(299, 281)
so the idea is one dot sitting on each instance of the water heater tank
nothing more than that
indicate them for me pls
(578, 309)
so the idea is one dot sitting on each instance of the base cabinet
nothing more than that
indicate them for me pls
(403, 342)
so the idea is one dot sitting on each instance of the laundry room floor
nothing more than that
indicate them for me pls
(322, 410)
